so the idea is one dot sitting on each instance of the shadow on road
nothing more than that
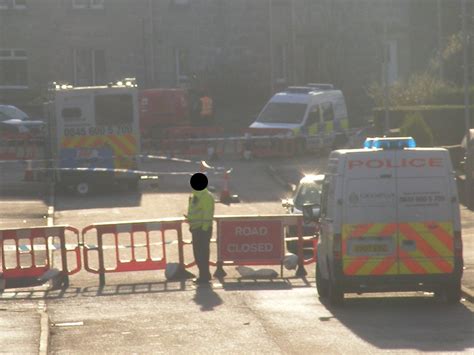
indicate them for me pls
(397, 323)
(207, 298)
(106, 198)
(153, 287)
(254, 284)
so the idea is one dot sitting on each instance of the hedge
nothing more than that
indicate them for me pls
(446, 122)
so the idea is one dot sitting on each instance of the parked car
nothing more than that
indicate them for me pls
(307, 192)
(13, 120)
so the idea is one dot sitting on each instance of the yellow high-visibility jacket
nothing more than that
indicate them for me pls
(201, 210)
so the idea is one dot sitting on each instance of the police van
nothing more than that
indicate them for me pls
(390, 221)
(94, 134)
(316, 113)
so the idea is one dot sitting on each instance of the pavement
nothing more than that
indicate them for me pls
(24, 324)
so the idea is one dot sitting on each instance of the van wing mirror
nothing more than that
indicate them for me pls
(311, 212)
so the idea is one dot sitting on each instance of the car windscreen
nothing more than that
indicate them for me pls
(282, 112)
(13, 113)
(308, 194)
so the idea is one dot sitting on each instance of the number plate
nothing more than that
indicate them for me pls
(371, 246)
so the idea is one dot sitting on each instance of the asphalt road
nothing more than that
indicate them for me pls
(140, 312)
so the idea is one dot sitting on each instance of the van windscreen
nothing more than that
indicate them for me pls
(282, 112)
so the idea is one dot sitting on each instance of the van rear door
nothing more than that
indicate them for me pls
(369, 230)
(425, 212)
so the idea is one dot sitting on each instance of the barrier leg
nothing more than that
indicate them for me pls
(100, 250)
(219, 273)
(63, 281)
(300, 271)
(182, 273)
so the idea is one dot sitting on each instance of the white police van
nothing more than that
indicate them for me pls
(316, 113)
(390, 221)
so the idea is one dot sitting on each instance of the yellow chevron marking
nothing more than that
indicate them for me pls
(431, 239)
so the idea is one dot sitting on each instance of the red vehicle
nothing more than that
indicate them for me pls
(163, 108)
(176, 113)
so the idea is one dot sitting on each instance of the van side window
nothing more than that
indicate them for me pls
(328, 111)
(113, 109)
(71, 113)
(314, 115)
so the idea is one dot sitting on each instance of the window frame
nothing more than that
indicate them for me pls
(311, 111)
(12, 5)
(181, 77)
(324, 109)
(19, 7)
(89, 5)
(92, 53)
(15, 57)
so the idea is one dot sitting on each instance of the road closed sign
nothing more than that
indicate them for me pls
(250, 241)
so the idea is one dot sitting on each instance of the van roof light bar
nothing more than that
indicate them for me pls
(389, 143)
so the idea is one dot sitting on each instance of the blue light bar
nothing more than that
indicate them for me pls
(389, 143)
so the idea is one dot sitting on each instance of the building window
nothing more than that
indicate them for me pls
(179, 3)
(12, 4)
(87, 4)
(182, 65)
(19, 4)
(13, 69)
(89, 67)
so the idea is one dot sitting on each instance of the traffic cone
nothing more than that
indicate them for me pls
(29, 171)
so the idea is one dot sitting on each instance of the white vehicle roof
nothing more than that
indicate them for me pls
(312, 179)
(305, 98)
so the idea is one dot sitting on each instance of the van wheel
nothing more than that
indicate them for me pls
(453, 292)
(82, 188)
(335, 294)
(132, 185)
(321, 284)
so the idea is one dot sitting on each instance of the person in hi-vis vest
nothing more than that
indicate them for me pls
(207, 109)
(200, 217)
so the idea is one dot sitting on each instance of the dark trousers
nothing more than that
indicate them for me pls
(201, 250)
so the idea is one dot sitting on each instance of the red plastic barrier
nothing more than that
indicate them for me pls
(14, 267)
(131, 229)
(255, 240)
(21, 147)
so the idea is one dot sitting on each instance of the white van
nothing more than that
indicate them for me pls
(315, 112)
(95, 134)
(390, 221)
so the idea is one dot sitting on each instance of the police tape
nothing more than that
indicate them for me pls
(250, 137)
(109, 158)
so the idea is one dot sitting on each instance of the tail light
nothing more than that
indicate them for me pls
(337, 247)
(457, 245)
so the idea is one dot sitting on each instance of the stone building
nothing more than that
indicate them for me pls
(242, 50)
